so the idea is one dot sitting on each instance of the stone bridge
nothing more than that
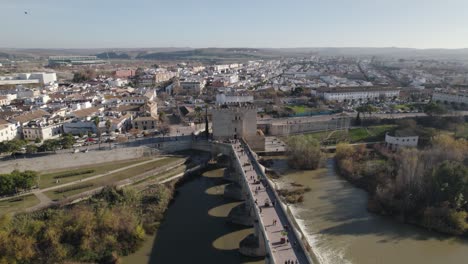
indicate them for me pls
(275, 236)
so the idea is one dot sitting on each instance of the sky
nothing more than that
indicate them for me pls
(233, 23)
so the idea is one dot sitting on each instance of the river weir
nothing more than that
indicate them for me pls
(341, 230)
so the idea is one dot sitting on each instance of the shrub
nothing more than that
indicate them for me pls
(73, 173)
(304, 152)
(73, 188)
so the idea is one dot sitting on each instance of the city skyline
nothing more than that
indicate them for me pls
(260, 24)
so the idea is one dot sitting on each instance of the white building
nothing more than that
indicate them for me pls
(228, 99)
(42, 132)
(192, 86)
(135, 100)
(117, 82)
(394, 142)
(355, 94)
(24, 93)
(77, 127)
(79, 106)
(8, 131)
(44, 78)
(4, 100)
(42, 99)
(459, 97)
(220, 68)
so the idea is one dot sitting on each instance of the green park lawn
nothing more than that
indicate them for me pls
(164, 175)
(300, 109)
(109, 179)
(355, 135)
(17, 204)
(48, 179)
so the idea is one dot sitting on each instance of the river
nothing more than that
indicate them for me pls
(194, 229)
(341, 230)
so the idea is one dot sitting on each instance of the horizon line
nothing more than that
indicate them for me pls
(234, 47)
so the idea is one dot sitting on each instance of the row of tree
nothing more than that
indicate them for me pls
(66, 141)
(426, 186)
(12, 146)
(17, 181)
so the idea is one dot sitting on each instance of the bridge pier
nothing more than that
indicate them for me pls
(230, 175)
(254, 244)
(242, 214)
(234, 191)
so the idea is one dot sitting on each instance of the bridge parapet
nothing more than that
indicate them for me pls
(299, 251)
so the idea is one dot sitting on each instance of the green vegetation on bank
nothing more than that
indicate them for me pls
(66, 141)
(111, 178)
(12, 146)
(295, 194)
(112, 224)
(50, 179)
(354, 135)
(16, 204)
(17, 181)
(300, 109)
(304, 152)
(428, 187)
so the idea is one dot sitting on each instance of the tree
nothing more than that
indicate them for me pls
(96, 122)
(84, 76)
(108, 125)
(67, 141)
(198, 111)
(358, 119)
(297, 91)
(304, 152)
(12, 146)
(31, 149)
(451, 183)
(164, 129)
(434, 109)
(162, 117)
(49, 145)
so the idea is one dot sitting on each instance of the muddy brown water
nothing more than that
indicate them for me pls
(341, 230)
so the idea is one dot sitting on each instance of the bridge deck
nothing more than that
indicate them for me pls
(282, 252)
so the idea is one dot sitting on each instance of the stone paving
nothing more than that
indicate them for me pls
(283, 248)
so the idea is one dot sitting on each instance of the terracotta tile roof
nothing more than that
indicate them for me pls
(32, 115)
(86, 112)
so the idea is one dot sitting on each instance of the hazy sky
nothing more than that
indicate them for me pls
(234, 23)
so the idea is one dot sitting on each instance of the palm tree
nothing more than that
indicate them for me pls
(96, 122)
(198, 111)
(108, 126)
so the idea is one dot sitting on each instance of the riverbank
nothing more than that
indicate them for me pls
(424, 187)
(194, 229)
(341, 230)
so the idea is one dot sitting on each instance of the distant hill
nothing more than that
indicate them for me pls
(235, 54)
(45, 53)
(212, 54)
(113, 55)
(385, 52)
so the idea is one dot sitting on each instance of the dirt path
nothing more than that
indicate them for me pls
(43, 198)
